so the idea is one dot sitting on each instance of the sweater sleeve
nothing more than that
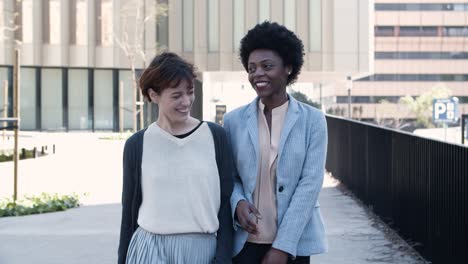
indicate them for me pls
(128, 187)
(224, 162)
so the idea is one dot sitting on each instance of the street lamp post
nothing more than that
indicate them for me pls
(349, 86)
(320, 91)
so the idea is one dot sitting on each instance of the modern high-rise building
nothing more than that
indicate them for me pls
(75, 53)
(418, 45)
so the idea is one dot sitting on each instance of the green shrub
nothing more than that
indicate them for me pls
(43, 203)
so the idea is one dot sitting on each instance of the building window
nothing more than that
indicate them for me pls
(460, 7)
(354, 99)
(213, 25)
(3, 77)
(28, 97)
(220, 111)
(420, 55)
(263, 10)
(78, 22)
(384, 31)
(187, 17)
(422, 7)
(367, 99)
(162, 27)
(315, 25)
(54, 22)
(289, 9)
(447, 7)
(455, 31)
(78, 99)
(103, 100)
(412, 7)
(51, 99)
(418, 32)
(104, 23)
(125, 77)
(27, 21)
(239, 16)
(462, 99)
(388, 7)
(407, 31)
(416, 77)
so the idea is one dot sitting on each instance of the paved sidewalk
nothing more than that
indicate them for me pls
(82, 163)
(355, 236)
(89, 234)
(77, 236)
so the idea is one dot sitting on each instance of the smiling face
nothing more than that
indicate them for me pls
(268, 75)
(175, 102)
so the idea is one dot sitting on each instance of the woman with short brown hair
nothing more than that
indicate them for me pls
(176, 177)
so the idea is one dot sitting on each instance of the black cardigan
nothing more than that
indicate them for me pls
(131, 193)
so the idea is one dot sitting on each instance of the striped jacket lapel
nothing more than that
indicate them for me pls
(290, 119)
(252, 125)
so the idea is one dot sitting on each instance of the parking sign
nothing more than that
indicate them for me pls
(445, 110)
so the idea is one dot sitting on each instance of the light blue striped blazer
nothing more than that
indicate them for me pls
(299, 175)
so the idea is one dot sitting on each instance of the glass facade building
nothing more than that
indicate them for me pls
(76, 54)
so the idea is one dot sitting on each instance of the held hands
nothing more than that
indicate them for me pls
(275, 256)
(248, 216)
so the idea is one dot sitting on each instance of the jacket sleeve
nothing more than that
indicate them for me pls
(306, 193)
(128, 187)
(225, 232)
(238, 191)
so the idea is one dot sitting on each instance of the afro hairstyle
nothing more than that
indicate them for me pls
(272, 36)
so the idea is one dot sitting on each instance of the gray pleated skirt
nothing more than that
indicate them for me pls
(148, 248)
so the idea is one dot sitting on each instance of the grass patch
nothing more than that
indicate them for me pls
(120, 136)
(7, 154)
(43, 203)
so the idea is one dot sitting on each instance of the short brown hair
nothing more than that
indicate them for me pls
(166, 70)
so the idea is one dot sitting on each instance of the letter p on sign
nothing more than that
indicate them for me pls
(440, 108)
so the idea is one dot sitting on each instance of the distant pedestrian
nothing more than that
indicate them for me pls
(177, 177)
(279, 146)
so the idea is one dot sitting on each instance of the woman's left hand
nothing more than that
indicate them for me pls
(275, 256)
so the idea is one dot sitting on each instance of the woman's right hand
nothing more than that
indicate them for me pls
(248, 216)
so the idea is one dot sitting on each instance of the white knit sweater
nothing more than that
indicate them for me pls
(180, 182)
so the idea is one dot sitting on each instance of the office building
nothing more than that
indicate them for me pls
(419, 45)
(72, 61)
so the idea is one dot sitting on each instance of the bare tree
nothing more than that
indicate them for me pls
(391, 115)
(135, 15)
(10, 32)
(9, 21)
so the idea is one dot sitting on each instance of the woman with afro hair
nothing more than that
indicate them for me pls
(279, 147)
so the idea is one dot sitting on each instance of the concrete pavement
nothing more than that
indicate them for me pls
(355, 236)
(86, 235)
(89, 234)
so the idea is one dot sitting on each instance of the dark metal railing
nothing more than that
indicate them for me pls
(416, 185)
